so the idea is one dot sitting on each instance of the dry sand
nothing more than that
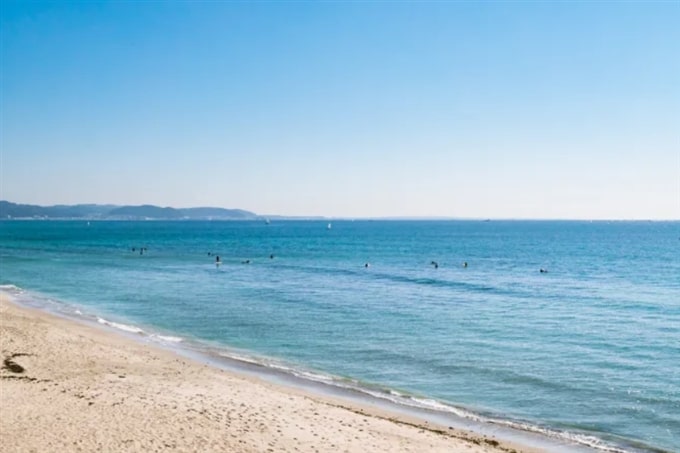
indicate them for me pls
(67, 386)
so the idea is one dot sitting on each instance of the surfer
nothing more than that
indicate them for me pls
(217, 260)
(435, 264)
(367, 265)
(543, 271)
(464, 263)
(245, 262)
(271, 257)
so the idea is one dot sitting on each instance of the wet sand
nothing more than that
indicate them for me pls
(69, 387)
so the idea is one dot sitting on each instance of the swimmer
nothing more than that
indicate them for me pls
(367, 265)
(271, 257)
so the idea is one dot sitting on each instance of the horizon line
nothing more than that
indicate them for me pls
(284, 217)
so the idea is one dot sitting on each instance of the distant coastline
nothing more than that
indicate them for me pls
(9, 210)
(17, 211)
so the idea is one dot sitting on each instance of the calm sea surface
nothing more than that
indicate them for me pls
(588, 351)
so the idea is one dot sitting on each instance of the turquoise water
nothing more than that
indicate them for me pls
(589, 351)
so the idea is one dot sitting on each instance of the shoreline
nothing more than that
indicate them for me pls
(88, 387)
(554, 357)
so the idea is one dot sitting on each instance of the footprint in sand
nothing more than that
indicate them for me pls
(11, 365)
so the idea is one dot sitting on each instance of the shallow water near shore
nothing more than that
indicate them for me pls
(586, 352)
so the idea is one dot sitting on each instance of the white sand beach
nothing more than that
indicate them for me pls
(69, 387)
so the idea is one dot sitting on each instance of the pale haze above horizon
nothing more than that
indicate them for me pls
(551, 110)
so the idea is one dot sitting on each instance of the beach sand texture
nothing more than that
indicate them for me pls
(67, 387)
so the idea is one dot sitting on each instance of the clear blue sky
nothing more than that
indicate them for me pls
(358, 109)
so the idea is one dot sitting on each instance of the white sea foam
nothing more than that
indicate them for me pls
(426, 403)
(279, 366)
(571, 437)
(404, 399)
(350, 384)
(124, 327)
(10, 288)
(304, 374)
(241, 358)
(166, 338)
(441, 407)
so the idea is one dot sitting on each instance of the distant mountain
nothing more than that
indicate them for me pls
(155, 212)
(92, 211)
(13, 210)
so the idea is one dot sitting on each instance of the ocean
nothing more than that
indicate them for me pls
(452, 317)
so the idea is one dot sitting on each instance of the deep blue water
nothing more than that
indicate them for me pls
(589, 350)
